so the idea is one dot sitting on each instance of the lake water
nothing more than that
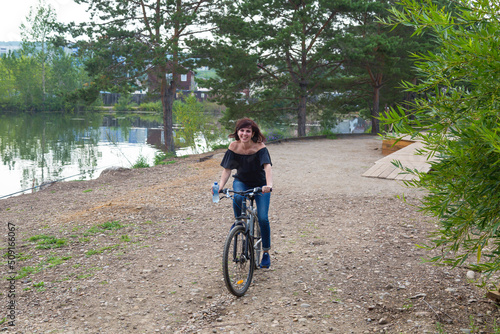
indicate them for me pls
(40, 148)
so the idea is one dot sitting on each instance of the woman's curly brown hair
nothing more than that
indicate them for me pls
(257, 137)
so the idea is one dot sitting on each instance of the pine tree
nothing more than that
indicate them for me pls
(129, 42)
(273, 57)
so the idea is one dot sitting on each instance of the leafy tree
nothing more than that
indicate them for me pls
(7, 80)
(66, 77)
(190, 114)
(456, 114)
(43, 74)
(28, 82)
(36, 34)
(66, 74)
(274, 58)
(131, 43)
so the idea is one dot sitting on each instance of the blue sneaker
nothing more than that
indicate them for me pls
(266, 261)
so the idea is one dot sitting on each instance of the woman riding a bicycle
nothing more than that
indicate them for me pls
(250, 157)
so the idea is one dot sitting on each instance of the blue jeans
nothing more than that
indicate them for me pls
(262, 201)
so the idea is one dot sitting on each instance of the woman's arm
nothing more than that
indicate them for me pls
(226, 173)
(269, 178)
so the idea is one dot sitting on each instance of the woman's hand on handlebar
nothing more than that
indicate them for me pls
(267, 189)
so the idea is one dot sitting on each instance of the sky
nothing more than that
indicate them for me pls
(14, 12)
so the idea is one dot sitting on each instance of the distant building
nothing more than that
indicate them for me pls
(183, 81)
(5, 49)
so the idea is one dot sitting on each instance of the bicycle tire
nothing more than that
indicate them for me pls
(257, 243)
(237, 266)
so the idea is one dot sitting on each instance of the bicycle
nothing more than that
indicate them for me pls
(243, 245)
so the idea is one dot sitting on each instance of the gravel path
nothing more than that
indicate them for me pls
(139, 251)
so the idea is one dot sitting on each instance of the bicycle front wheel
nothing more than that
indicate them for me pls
(237, 261)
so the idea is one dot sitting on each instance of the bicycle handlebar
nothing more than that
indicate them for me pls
(256, 190)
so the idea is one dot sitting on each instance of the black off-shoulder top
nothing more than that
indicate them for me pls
(249, 168)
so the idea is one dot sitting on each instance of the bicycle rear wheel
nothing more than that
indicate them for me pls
(237, 261)
(257, 243)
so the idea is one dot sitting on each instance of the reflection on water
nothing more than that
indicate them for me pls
(35, 149)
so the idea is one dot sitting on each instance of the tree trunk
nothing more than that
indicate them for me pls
(169, 89)
(167, 101)
(43, 70)
(375, 110)
(301, 119)
(43, 81)
(376, 82)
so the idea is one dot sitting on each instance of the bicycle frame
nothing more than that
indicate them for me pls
(236, 260)
(249, 221)
(252, 221)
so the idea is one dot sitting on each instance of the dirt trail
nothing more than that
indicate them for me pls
(140, 252)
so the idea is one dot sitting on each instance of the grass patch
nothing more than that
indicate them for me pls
(334, 296)
(100, 250)
(93, 252)
(20, 256)
(87, 191)
(55, 261)
(47, 241)
(25, 271)
(94, 269)
(84, 276)
(50, 262)
(101, 228)
(125, 238)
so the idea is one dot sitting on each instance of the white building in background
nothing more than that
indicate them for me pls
(5, 49)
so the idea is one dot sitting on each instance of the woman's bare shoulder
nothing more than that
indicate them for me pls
(233, 146)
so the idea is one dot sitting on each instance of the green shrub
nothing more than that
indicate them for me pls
(160, 158)
(141, 162)
(123, 102)
(455, 113)
(323, 132)
(151, 106)
(219, 146)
